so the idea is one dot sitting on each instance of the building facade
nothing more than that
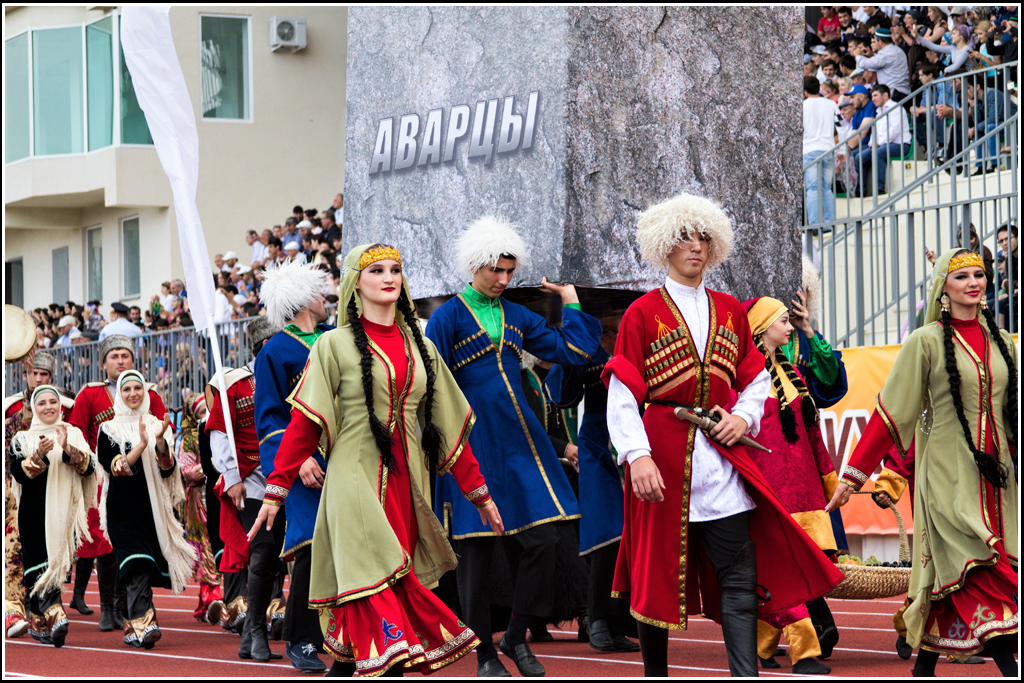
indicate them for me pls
(88, 211)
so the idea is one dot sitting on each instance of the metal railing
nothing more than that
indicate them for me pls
(178, 361)
(852, 187)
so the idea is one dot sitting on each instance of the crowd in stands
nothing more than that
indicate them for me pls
(310, 235)
(867, 61)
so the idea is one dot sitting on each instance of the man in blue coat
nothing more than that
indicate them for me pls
(481, 339)
(294, 298)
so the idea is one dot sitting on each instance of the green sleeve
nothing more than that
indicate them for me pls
(823, 363)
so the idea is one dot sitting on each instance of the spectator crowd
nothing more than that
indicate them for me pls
(873, 63)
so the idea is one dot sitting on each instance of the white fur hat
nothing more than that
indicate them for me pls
(485, 241)
(289, 288)
(811, 281)
(663, 226)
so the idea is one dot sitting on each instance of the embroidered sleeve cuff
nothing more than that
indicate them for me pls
(854, 477)
(76, 459)
(120, 467)
(275, 495)
(32, 468)
(479, 497)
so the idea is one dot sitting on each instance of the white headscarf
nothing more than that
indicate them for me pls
(165, 493)
(69, 495)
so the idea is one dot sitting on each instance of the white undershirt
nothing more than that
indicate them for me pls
(716, 490)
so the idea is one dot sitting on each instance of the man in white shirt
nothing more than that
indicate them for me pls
(259, 247)
(119, 323)
(821, 116)
(891, 137)
(693, 496)
(889, 64)
(68, 331)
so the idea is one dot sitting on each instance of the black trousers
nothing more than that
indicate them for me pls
(140, 594)
(235, 585)
(40, 602)
(722, 539)
(301, 624)
(600, 603)
(264, 560)
(531, 556)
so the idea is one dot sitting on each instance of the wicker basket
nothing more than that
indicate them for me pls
(869, 583)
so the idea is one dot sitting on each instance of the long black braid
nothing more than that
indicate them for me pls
(1011, 384)
(990, 467)
(380, 431)
(432, 440)
(786, 413)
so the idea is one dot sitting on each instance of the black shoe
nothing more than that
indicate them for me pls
(903, 648)
(78, 603)
(303, 656)
(601, 637)
(811, 666)
(107, 620)
(952, 660)
(541, 636)
(492, 668)
(779, 652)
(59, 633)
(149, 640)
(245, 647)
(259, 647)
(624, 644)
(527, 664)
(581, 632)
(980, 171)
(827, 641)
(770, 663)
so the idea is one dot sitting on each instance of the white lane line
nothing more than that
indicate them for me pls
(145, 653)
(671, 666)
(164, 628)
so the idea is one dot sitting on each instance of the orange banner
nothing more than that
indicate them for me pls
(867, 368)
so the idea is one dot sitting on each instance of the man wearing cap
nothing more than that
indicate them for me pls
(818, 57)
(68, 331)
(230, 259)
(293, 295)
(119, 323)
(239, 494)
(291, 250)
(957, 17)
(861, 123)
(39, 367)
(94, 405)
(889, 63)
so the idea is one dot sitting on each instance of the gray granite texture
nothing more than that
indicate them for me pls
(635, 104)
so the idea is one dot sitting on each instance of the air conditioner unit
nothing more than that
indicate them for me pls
(287, 32)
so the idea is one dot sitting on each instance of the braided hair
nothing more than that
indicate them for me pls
(807, 408)
(1011, 385)
(432, 439)
(380, 432)
(989, 466)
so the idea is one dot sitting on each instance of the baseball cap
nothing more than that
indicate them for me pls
(857, 89)
(807, 58)
(292, 245)
(846, 103)
(856, 72)
(959, 9)
(66, 320)
(818, 49)
(230, 255)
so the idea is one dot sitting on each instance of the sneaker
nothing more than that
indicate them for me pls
(304, 658)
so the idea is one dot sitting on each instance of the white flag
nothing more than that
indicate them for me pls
(160, 87)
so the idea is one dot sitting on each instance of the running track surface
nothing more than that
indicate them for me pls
(190, 649)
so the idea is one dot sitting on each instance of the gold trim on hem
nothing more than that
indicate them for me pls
(599, 546)
(388, 583)
(295, 548)
(560, 518)
(654, 622)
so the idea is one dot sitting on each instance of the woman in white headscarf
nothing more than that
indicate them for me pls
(54, 481)
(145, 486)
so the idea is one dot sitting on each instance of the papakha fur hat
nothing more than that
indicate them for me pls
(260, 329)
(43, 361)
(115, 341)
(289, 288)
(663, 226)
(487, 239)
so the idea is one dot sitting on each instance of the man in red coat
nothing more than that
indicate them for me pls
(38, 370)
(699, 504)
(94, 405)
(241, 484)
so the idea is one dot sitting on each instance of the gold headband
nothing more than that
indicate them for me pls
(379, 254)
(964, 261)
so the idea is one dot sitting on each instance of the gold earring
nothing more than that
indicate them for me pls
(983, 305)
(944, 302)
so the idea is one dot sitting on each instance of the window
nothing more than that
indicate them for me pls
(134, 129)
(14, 283)
(94, 263)
(99, 74)
(224, 60)
(57, 98)
(16, 93)
(60, 275)
(130, 258)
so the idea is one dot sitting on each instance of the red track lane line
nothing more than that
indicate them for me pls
(144, 653)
